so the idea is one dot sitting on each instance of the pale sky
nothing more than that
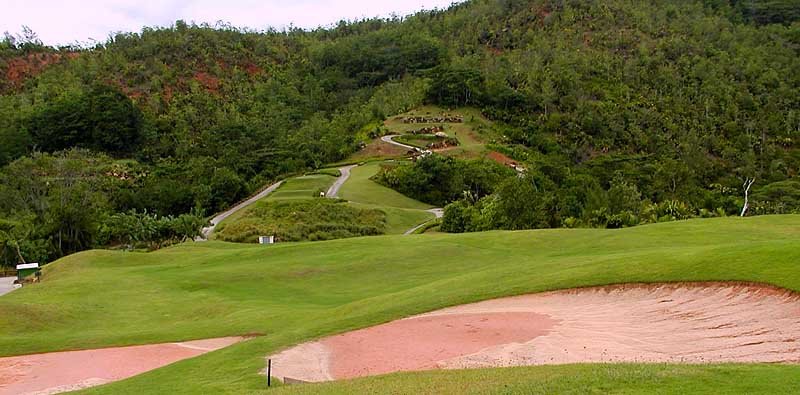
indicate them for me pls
(69, 21)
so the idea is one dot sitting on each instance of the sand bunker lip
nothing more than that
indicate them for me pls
(57, 372)
(675, 323)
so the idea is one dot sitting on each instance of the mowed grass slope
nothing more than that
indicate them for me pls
(303, 187)
(575, 379)
(402, 212)
(295, 292)
(296, 212)
(359, 188)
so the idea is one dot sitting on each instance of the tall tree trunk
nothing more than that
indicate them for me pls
(19, 253)
(747, 184)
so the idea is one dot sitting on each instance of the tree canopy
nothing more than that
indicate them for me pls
(673, 104)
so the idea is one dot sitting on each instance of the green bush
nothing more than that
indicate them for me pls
(439, 180)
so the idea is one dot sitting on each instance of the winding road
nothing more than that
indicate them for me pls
(6, 285)
(438, 212)
(333, 191)
(390, 139)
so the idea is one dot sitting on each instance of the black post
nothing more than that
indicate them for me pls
(269, 373)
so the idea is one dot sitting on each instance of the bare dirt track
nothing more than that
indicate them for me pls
(676, 323)
(73, 370)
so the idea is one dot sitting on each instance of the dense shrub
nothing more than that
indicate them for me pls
(438, 180)
(134, 229)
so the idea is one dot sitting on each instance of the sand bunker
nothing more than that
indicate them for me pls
(73, 370)
(678, 323)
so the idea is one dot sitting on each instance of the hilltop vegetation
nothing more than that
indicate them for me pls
(677, 103)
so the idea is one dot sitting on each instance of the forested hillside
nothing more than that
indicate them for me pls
(611, 105)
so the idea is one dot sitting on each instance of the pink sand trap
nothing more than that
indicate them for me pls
(678, 323)
(419, 343)
(73, 370)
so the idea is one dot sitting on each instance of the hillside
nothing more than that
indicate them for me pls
(674, 103)
(294, 292)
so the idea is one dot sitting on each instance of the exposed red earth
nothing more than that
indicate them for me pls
(675, 323)
(57, 372)
(501, 159)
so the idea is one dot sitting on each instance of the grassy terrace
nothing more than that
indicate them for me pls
(296, 292)
(402, 212)
(472, 134)
(303, 187)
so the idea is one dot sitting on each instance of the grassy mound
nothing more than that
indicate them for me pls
(295, 213)
(296, 292)
(304, 220)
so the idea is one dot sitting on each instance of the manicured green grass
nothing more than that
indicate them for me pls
(402, 212)
(297, 188)
(399, 220)
(305, 187)
(359, 188)
(304, 220)
(576, 379)
(295, 292)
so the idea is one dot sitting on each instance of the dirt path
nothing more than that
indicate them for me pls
(6, 285)
(438, 212)
(333, 191)
(73, 370)
(672, 323)
(390, 139)
(207, 231)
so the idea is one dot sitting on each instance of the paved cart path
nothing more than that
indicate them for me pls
(6, 285)
(438, 212)
(390, 139)
(333, 191)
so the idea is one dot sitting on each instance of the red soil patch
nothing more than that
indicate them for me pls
(252, 69)
(208, 81)
(73, 370)
(673, 323)
(20, 68)
(501, 159)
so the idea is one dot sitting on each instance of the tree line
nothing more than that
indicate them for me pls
(668, 102)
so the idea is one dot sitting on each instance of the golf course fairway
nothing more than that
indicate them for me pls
(292, 293)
